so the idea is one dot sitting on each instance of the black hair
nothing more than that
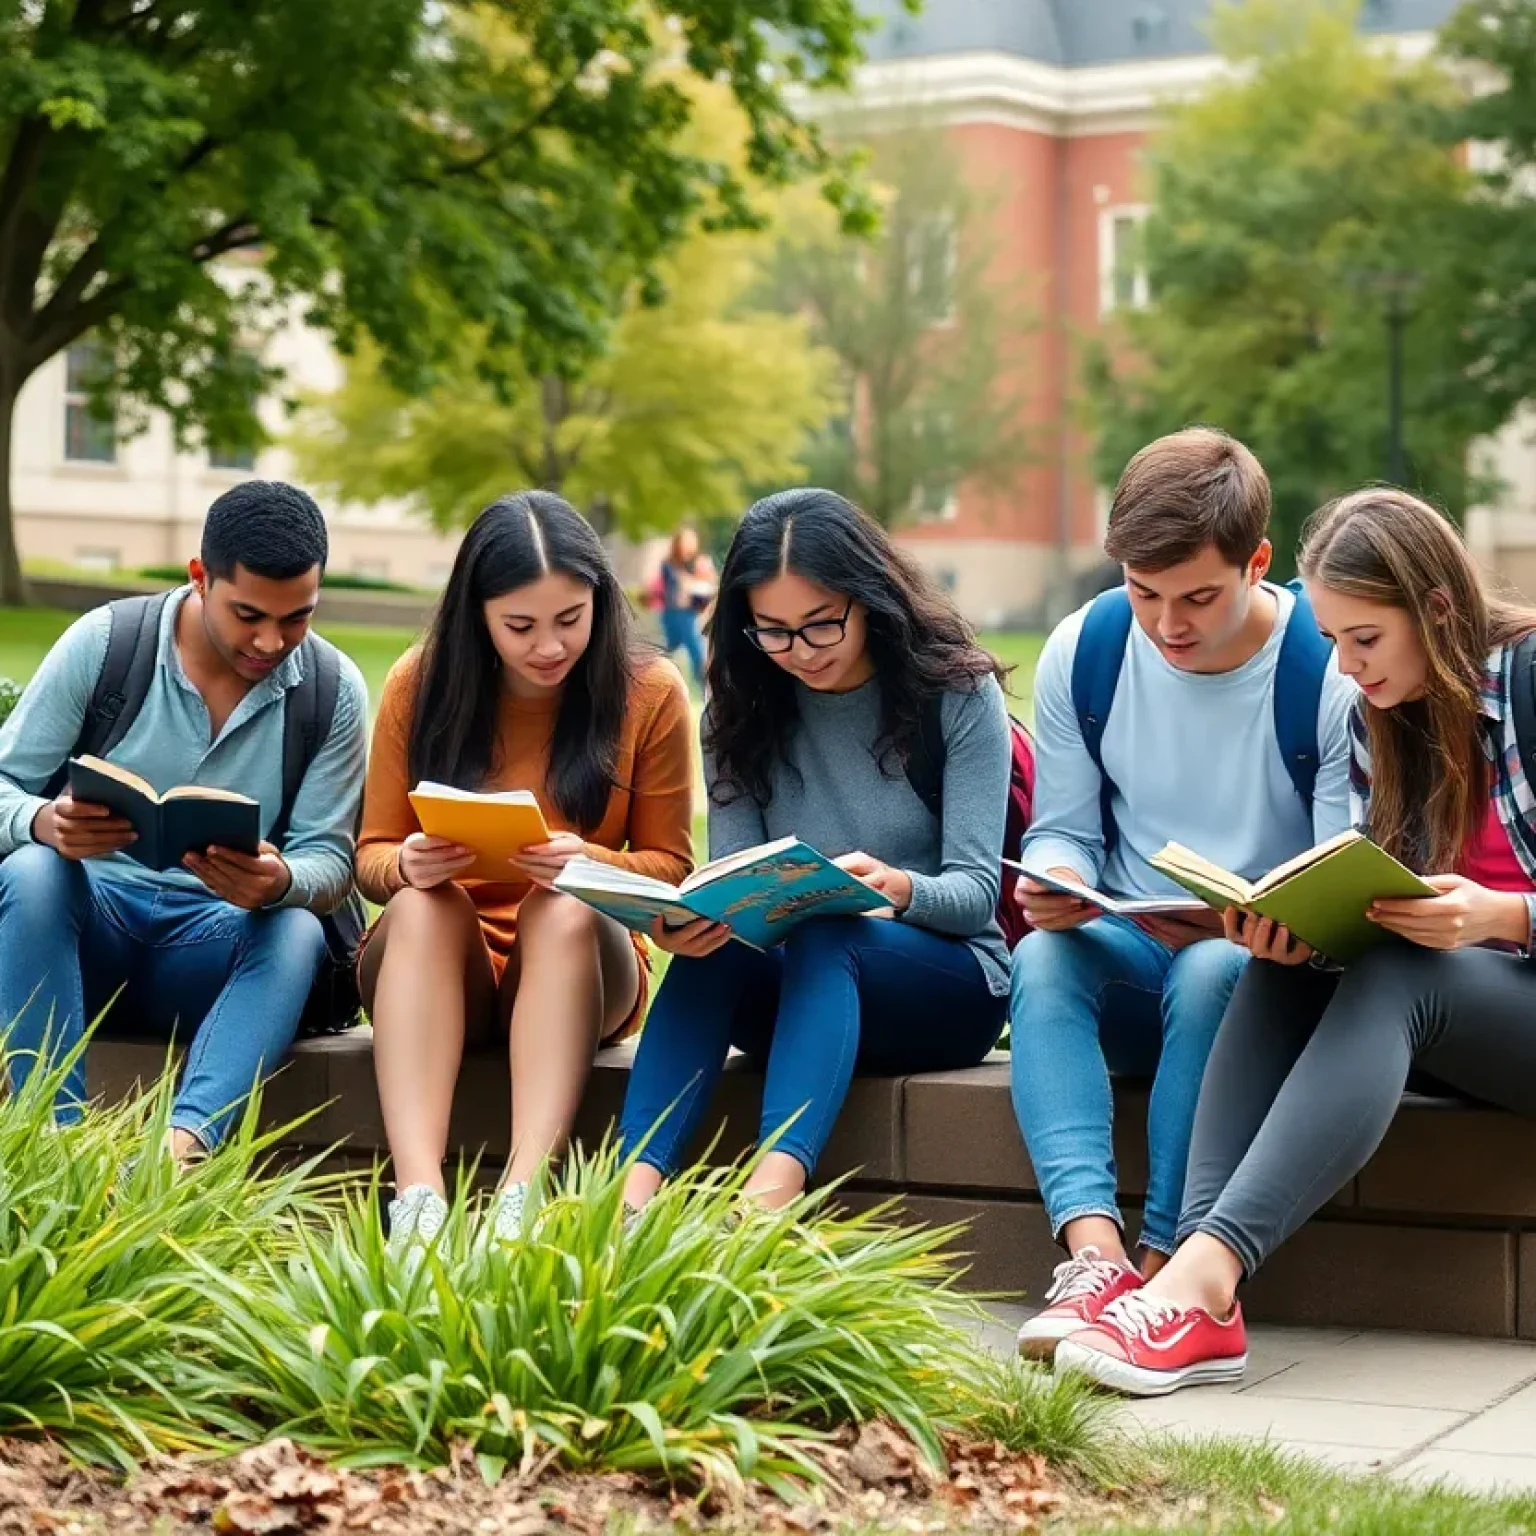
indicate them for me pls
(515, 541)
(919, 644)
(270, 528)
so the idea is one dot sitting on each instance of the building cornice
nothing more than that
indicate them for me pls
(994, 87)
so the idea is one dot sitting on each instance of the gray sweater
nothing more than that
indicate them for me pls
(842, 802)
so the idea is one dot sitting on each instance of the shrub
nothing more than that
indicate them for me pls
(10, 692)
(708, 1341)
(103, 1250)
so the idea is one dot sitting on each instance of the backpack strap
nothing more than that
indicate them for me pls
(1522, 700)
(1301, 669)
(308, 710)
(925, 762)
(122, 685)
(1096, 665)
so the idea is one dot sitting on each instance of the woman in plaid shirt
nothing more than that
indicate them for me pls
(1311, 1062)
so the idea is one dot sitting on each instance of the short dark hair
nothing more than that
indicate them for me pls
(272, 529)
(1183, 492)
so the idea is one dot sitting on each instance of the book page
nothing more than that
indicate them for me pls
(206, 792)
(123, 776)
(1305, 860)
(430, 790)
(1174, 859)
(731, 862)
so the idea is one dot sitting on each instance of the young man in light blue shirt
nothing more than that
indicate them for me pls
(1187, 748)
(225, 949)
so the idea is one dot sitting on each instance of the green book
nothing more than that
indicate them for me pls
(1321, 895)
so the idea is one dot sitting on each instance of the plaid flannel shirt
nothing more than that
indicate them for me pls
(1513, 795)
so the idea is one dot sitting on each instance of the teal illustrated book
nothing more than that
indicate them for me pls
(760, 894)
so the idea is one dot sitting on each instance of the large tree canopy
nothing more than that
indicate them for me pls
(1292, 207)
(402, 169)
(696, 398)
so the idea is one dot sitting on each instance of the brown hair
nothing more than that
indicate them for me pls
(1428, 771)
(675, 551)
(1184, 492)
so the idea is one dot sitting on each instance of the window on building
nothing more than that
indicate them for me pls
(1149, 27)
(933, 255)
(88, 438)
(1122, 266)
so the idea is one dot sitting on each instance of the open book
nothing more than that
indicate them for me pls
(1119, 906)
(1321, 895)
(760, 894)
(184, 820)
(496, 826)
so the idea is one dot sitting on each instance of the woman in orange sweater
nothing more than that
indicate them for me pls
(531, 677)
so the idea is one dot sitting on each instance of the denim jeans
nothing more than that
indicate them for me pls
(841, 994)
(186, 961)
(1109, 997)
(680, 631)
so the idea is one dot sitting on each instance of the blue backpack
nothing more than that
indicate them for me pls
(1300, 672)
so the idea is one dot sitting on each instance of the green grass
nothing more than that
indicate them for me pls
(1239, 1488)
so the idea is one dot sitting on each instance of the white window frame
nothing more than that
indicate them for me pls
(80, 400)
(1109, 270)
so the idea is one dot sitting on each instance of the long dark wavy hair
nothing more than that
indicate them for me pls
(919, 644)
(1428, 772)
(515, 541)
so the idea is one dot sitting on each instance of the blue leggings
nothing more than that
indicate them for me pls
(841, 994)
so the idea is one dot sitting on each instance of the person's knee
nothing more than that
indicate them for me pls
(433, 916)
(41, 884)
(825, 940)
(294, 934)
(1048, 969)
(1200, 987)
(551, 919)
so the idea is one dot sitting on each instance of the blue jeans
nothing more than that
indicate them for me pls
(1109, 997)
(237, 979)
(680, 631)
(841, 994)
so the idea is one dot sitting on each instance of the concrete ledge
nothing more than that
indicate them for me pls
(1438, 1232)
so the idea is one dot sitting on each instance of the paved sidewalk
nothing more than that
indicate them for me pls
(1425, 1407)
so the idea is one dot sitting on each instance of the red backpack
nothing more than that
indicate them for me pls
(925, 773)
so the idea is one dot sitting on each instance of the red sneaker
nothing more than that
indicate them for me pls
(1145, 1346)
(1080, 1290)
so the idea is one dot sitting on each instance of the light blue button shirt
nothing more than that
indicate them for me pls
(170, 743)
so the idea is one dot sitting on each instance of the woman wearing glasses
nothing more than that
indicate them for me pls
(827, 647)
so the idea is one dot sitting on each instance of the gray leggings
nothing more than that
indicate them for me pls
(1308, 1068)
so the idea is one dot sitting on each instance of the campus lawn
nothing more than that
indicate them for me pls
(27, 633)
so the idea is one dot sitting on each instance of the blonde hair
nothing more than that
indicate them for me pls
(1428, 769)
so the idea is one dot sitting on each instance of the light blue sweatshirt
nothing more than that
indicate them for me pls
(170, 743)
(1194, 760)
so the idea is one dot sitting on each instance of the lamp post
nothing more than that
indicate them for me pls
(1397, 287)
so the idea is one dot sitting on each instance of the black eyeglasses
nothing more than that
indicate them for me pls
(820, 634)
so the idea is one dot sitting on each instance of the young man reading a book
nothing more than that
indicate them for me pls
(1159, 710)
(225, 947)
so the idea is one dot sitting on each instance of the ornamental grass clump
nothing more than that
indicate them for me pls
(104, 1253)
(706, 1341)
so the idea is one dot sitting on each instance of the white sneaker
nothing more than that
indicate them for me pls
(416, 1216)
(507, 1212)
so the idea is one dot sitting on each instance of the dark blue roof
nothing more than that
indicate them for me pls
(1079, 32)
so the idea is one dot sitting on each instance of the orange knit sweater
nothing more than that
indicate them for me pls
(647, 826)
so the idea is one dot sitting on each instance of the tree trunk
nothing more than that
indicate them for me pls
(13, 586)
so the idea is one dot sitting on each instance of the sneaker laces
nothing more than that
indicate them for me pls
(1086, 1273)
(1136, 1314)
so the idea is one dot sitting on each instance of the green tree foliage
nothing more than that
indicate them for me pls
(1288, 206)
(1496, 41)
(390, 168)
(928, 337)
(695, 398)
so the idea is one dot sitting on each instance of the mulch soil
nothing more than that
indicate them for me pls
(876, 1478)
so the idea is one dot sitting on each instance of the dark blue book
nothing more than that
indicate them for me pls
(187, 819)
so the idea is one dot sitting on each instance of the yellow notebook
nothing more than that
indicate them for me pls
(495, 826)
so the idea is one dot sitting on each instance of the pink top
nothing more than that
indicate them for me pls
(1489, 860)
